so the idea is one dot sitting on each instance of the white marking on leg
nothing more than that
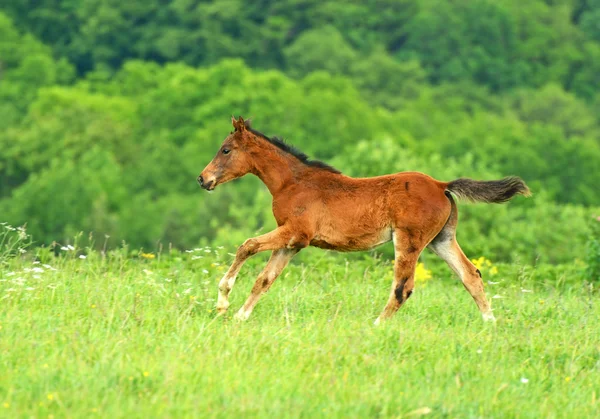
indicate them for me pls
(377, 321)
(448, 254)
(225, 286)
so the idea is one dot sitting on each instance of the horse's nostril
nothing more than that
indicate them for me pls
(200, 180)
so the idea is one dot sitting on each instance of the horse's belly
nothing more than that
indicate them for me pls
(353, 242)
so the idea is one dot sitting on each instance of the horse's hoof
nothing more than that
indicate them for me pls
(488, 317)
(241, 316)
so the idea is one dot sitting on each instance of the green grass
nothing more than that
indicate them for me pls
(130, 337)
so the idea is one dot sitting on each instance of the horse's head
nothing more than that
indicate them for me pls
(232, 160)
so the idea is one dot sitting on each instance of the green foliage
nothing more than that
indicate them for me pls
(592, 255)
(322, 48)
(25, 66)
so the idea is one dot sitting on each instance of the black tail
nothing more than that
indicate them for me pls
(488, 191)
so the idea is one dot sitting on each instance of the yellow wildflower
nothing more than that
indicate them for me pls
(478, 262)
(148, 255)
(421, 273)
(50, 396)
(146, 373)
(6, 405)
(567, 379)
(485, 265)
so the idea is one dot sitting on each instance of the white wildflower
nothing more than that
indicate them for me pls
(524, 290)
(206, 250)
(37, 270)
(197, 257)
(497, 296)
(82, 256)
(524, 380)
(204, 271)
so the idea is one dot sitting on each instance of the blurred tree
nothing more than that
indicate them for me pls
(319, 49)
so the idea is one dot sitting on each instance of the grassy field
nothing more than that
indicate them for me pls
(124, 336)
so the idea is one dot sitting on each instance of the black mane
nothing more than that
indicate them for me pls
(281, 144)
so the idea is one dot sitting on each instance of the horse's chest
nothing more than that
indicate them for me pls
(284, 212)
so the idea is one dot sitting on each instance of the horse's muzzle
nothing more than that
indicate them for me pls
(209, 185)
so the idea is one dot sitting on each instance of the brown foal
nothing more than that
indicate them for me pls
(316, 205)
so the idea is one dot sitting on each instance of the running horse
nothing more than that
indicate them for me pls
(316, 205)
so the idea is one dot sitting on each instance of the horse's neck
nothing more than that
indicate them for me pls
(277, 170)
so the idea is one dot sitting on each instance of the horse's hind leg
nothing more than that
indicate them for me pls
(406, 255)
(446, 247)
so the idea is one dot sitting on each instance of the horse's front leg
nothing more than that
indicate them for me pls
(277, 263)
(280, 238)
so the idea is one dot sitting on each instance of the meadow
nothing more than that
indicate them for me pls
(123, 333)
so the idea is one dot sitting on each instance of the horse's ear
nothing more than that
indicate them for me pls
(241, 124)
(238, 124)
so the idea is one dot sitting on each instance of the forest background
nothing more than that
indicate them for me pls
(110, 109)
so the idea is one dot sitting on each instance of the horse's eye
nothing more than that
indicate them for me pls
(226, 151)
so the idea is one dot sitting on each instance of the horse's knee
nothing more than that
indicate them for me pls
(247, 249)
